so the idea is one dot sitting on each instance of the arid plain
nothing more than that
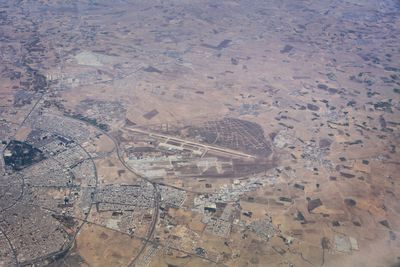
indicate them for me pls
(200, 133)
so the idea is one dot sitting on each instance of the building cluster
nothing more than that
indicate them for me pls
(33, 232)
(39, 199)
(315, 154)
(7, 256)
(124, 197)
(209, 205)
(229, 193)
(10, 190)
(172, 197)
(221, 226)
(47, 173)
(263, 228)
(84, 173)
(71, 157)
(147, 256)
(64, 126)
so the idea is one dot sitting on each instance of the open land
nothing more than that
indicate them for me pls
(200, 133)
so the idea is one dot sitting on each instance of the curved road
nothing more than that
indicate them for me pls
(157, 195)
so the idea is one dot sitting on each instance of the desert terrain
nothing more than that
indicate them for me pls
(200, 133)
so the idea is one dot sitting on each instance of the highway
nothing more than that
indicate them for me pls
(157, 195)
(157, 198)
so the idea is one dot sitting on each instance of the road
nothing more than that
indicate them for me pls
(157, 197)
